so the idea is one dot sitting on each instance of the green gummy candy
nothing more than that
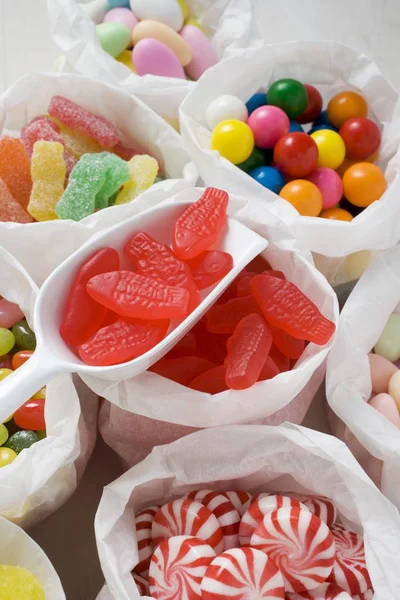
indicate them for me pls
(25, 338)
(92, 183)
(114, 37)
(21, 440)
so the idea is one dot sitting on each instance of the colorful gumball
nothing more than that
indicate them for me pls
(319, 127)
(329, 184)
(257, 100)
(296, 155)
(314, 105)
(268, 177)
(345, 106)
(350, 568)
(226, 108)
(336, 214)
(268, 124)
(363, 183)
(294, 126)
(143, 524)
(331, 148)
(361, 137)
(256, 159)
(290, 95)
(322, 119)
(240, 500)
(304, 196)
(234, 140)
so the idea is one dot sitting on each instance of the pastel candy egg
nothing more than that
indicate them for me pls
(385, 404)
(118, 3)
(195, 23)
(394, 388)
(165, 11)
(381, 372)
(152, 57)
(121, 15)
(166, 35)
(388, 344)
(224, 108)
(125, 58)
(113, 37)
(204, 55)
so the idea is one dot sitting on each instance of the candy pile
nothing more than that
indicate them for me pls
(216, 545)
(19, 583)
(326, 172)
(67, 165)
(17, 344)
(166, 39)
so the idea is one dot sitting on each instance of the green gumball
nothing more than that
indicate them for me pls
(290, 95)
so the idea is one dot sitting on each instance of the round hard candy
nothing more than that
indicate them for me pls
(234, 140)
(142, 584)
(363, 183)
(331, 148)
(256, 159)
(296, 154)
(294, 126)
(386, 405)
(114, 37)
(203, 54)
(224, 108)
(350, 570)
(381, 371)
(290, 95)
(240, 500)
(321, 507)
(304, 196)
(165, 11)
(121, 15)
(165, 35)
(268, 124)
(314, 105)
(329, 184)
(361, 137)
(346, 105)
(336, 214)
(143, 524)
(326, 591)
(152, 57)
(257, 100)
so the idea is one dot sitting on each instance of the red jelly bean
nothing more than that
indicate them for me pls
(182, 370)
(210, 382)
(223, 318)
(296, 154)
(289, 346)
(122, 341)
(83, 316)
(211, 266)
(20, 358)
(6, 361)
(286, 307)
(31, 415)
(314, 105)
(281, 361)
(269, 370)
(200, 225)
(361, 136)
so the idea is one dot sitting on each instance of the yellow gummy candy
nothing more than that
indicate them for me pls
(48, 172)
(77, 143)
(125, 58)
(17, 583)
(143, 171)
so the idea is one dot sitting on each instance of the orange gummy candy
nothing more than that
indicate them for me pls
(10, 209)
(15, 169)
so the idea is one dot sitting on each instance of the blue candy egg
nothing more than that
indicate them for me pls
(294, 126)
(118, 4)
(268, 177)
(318, 127)
(256, 101)
(322, 119)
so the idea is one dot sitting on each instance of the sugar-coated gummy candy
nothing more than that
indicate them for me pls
(3, 434)
(10, 209)
(77, 143)
(20, 440)
(268, 124)
(75, 116)
(143, 171)
(290, 95)
(210, 382)
(31, 415)
(234, 140)
(344, 106)
(331, 148)
(19, 583)
(224, 108)
(45, 129)
(25, 338)
(143, 522)
(10, 313)
(7, 341)
(350, 570)
(20, 357)
(304, 196)
(314, 105)
(15, 169)
(7, 456)
(114, 37)
(210, 267)
(296, 154)
(48, 173)
(364, 183)
(182, 370)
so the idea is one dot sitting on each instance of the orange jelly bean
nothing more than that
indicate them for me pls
(304, 196)
(363, 183)
(337, 214)
(20, 358)
(345, 106)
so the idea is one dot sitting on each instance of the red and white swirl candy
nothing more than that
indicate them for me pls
(240, 500)
(143, 523)
(227, 515)
(187, 517)
(177, 568)
(350, 570)
(243, 574)
(142, 584)
(300, 544)
(326, 591)
(321, 507)
(255, 514)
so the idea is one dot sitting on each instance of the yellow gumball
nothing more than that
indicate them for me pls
(7, 456)
(331, 148)
(234, 140)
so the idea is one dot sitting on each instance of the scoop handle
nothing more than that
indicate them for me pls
(22, 384)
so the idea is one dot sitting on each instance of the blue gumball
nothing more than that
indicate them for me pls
(322, 119)
(294, 126)
(318, 127)
(256, 101)
(269, 178)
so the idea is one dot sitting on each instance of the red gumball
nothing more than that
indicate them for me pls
(296, 154)
(31, 415)
(314, 105)
(361, 136)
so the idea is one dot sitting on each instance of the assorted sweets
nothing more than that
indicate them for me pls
(17, 344)
(67, 165)
(156, 37)
(17, 583)
(216, 545)
(320, 161)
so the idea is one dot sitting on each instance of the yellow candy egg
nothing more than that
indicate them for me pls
(7, 456)
(17, 583)
(234, 140)
(331, 148)
(125, 58)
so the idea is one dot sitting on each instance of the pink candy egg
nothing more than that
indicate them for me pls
(387, 407)
(121, 15)
(329, 184)
(381, 372)
(268, 124)
(152, 57)
(203, 54)
(10, 314)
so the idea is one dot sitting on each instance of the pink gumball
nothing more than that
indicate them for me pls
(268, 124)
(329, 184)
(121, 15)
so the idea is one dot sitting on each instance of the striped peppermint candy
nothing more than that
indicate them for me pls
(240, 500)
(144, 522)
(177, 568)
(300, 544)
(367, 596)
(142, 584)
(326, 591)
(321, 507)
(227, 515)
(255, 514)
(187, 517)
(243, 574)
(350, 570)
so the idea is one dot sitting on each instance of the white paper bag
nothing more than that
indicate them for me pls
(19, 550)
(332, 68)
(364, 316)
(251, 458)
(44, 476)
(40, 247)
(157, 410)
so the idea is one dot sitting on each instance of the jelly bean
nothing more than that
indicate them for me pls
(268, 124)
(361, 137)
(304, 196)
(164, 11)
(294, 126)
(336, 214)
(256, 159)
(364, 183)
(17, 582)
(48, 172)
(121, 15)
(182, 370)
(5, 373)
(329, 184)
(15, 169)
(31, 415)
(3, 434)
(394, 388)
(7, 341)
(331, 148)
(10, 209)
(257, 100)
(296, 155)
(203, 54)
(290, 95)
(7, 456)
(152, 57)
(210, 267)
(20, 358)
(6, 361)
(126, 58)
(225, 108)
(322, 127)
(386, 405)
(268, 177)
(234, 140)
(10, 314)
(25, 339)
(165, 35)
(314, 105)
(21, 440)
(114, 37)
(40, 393)
(345, 106)
(388, 344)
(382, 370)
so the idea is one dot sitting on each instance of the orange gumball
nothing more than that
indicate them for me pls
(363, 183)
(337, 214)
(345, 106)
(304, 196)
(349, 163)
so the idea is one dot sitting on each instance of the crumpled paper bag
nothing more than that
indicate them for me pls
(44, 476)
(40, 247)
(332, 68)
(371, 436)
(251, 458)
(19, 550)
(157, 410)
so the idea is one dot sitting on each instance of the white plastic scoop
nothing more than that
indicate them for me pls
(52, 356)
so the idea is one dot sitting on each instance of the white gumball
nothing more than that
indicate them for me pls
(226, 107)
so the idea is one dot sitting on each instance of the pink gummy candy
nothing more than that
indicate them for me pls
(41, 128)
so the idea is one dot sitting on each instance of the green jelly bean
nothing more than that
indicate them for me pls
(3, 434)
(25, 338)
(21, 440)
(7, 341)
(41, 434)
